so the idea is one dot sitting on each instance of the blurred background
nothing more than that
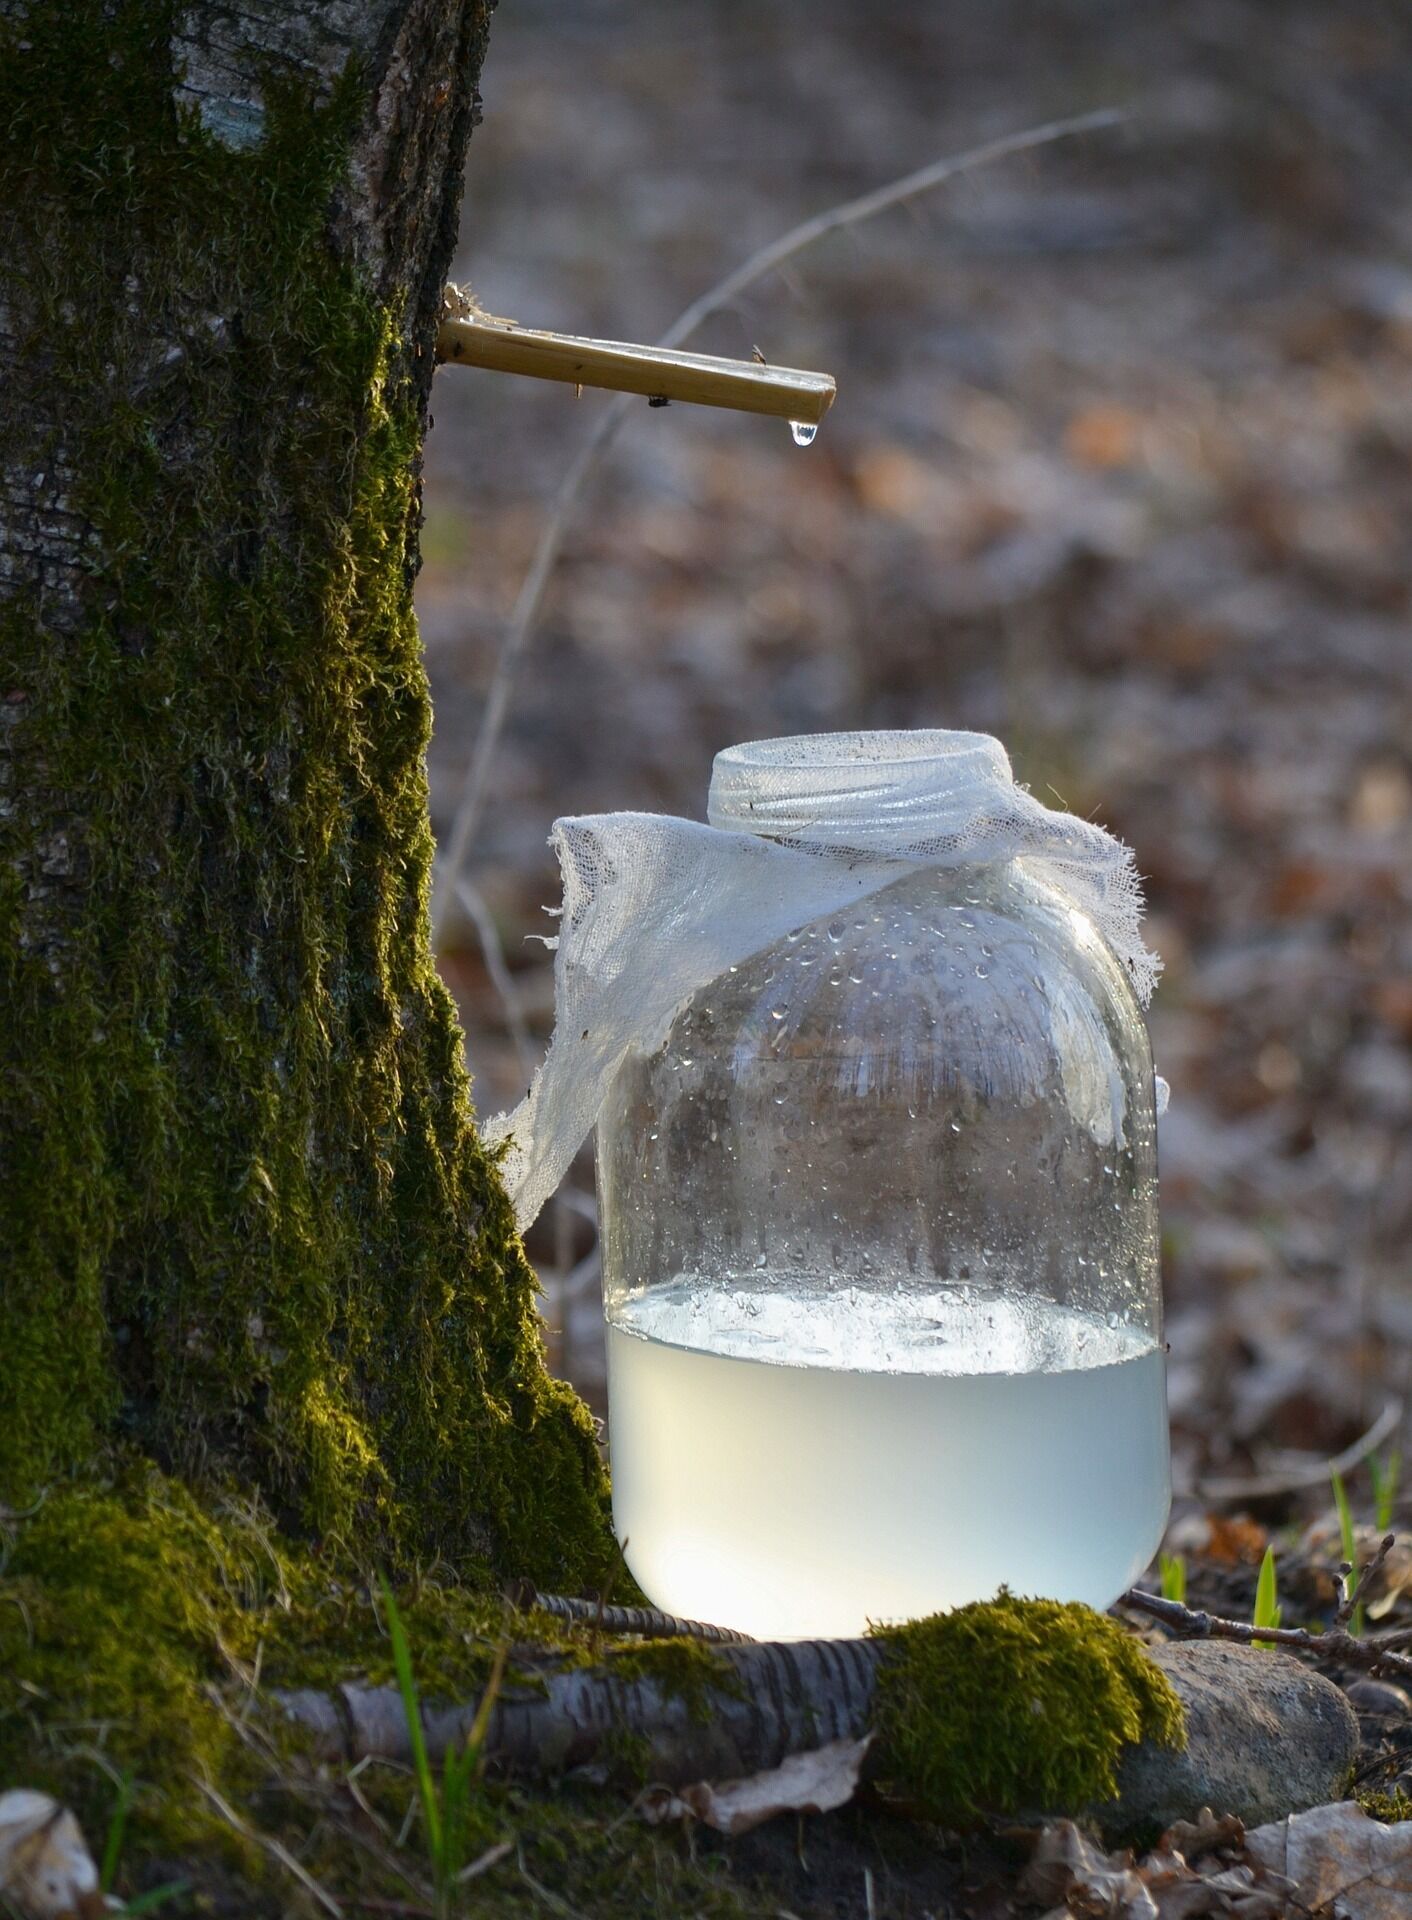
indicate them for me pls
(1120, 470)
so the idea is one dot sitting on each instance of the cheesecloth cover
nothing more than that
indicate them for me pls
(655, 907)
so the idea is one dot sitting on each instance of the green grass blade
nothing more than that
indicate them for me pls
(158, 1897)
(455, 1816)
(1267, 1608)
(117, 1833)
(411, 1707)
(1385, 1476)
(1350, 1544)
(1172, 1567)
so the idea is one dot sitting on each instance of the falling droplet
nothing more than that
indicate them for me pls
(804, 432)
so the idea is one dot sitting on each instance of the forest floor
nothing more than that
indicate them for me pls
(1121, 471)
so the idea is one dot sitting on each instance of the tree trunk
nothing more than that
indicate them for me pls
(247, 1227)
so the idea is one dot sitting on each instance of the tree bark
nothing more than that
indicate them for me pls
(248, 1229)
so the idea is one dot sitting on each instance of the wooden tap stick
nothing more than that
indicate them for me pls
(748, 387)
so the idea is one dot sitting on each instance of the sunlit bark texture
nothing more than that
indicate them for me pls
(246, 1225)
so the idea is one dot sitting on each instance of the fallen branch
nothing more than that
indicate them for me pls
(1372, 1654)
(768, 1700)
(680, 1717)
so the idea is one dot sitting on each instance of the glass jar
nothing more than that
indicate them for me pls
(880, 1264)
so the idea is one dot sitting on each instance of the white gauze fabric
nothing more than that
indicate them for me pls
(655, 907)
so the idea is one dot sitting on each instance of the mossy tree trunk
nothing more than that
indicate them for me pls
(247, 1229)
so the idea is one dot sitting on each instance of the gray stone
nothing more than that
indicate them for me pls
(1379, 1697)
(1266, 1737)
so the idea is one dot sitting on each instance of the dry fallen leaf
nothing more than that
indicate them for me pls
(1205, 1834)
(46, 1870)
(1067, 1872)
(1076, 1880)
(815, 1782)
(1341, 1861)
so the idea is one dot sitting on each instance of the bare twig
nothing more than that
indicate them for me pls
(768, 259)
(501, 978)
(483, 1862)
(1354, 1584)
(1187, 1623)
(1311, 1473)
(373, 1903)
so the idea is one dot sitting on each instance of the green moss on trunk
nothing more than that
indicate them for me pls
(249, 1229)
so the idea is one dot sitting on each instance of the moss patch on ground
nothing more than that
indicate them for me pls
(1015, 1706)
(138, 1630)
(692, 1671)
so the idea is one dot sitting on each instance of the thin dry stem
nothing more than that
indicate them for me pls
(1188, 1623)
(1354, 1584)
(1307, 1473)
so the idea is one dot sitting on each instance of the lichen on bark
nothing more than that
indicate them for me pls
(250, 1232)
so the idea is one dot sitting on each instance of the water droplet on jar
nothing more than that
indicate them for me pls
(777, 1013)
(1113, 1322)
(836, 930)
(760, 1262)
(982, 973)
(955, 1126)
(855, 979)
(804, 432)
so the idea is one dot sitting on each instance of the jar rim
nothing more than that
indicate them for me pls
(871, 788)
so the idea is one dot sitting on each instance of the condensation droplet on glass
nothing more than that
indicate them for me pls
(777, 1013)
(804, 432)
(982, 973)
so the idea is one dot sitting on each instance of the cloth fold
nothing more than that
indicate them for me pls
(656, 907)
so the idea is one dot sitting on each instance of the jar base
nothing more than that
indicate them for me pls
(801, 1502)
